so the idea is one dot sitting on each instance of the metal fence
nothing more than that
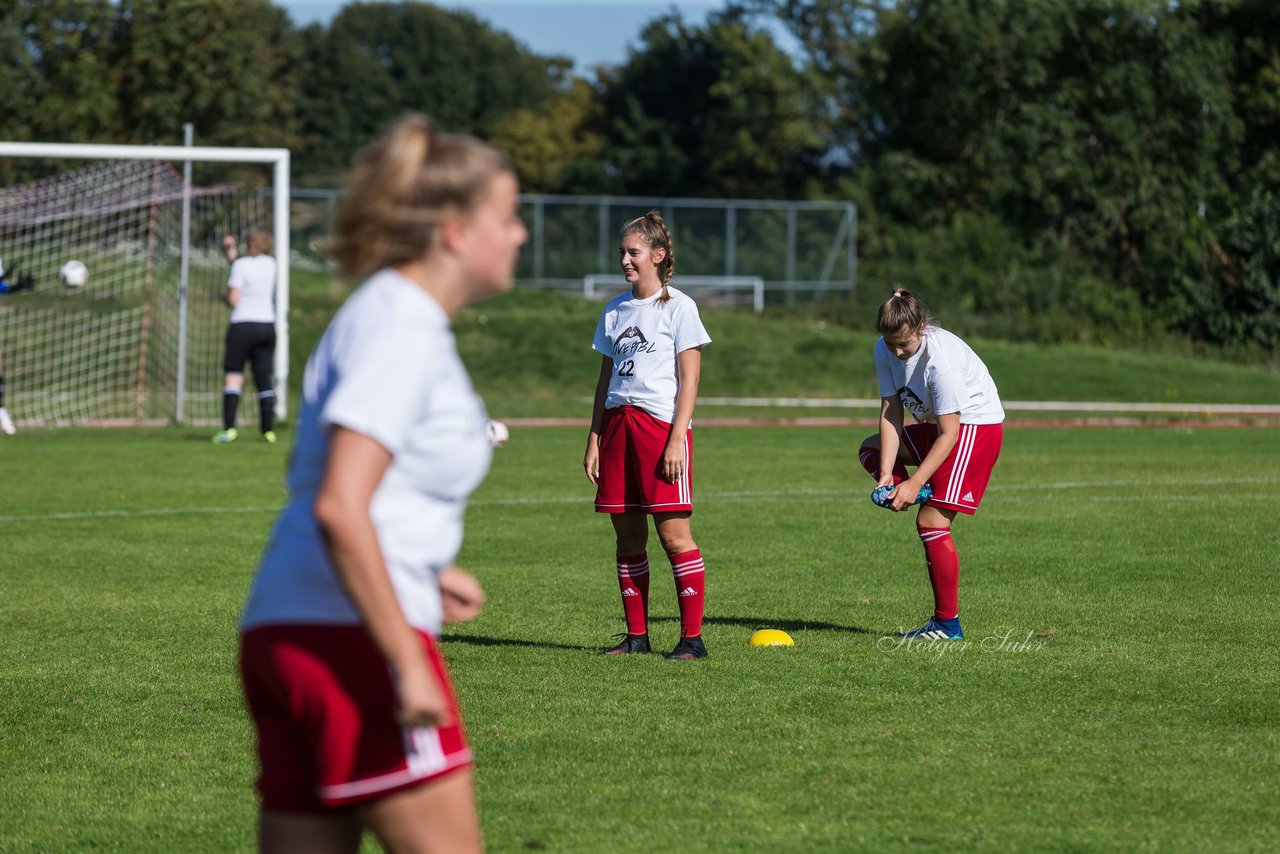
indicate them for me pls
(799, 250)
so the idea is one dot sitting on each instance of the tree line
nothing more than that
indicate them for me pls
(1101, 170)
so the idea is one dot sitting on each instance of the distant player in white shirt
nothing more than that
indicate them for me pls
(356, 720)
(640, 448)
(251, 335)
(926, 370)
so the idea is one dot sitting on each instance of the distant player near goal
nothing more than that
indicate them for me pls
(640, 448)
(251, 335)
(927, 370)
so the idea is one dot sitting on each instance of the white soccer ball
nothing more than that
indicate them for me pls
(74, 274)
(498, 434)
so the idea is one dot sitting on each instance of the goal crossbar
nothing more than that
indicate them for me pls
(277, 158)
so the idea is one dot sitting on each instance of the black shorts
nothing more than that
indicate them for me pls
(250, 342)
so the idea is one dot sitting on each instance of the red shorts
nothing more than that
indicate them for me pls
(324, 708)
(959, 482)
(631, 446)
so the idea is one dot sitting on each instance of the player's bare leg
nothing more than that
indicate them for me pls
(437, 817)
(632, 531)
(675, 532)
(338, 832)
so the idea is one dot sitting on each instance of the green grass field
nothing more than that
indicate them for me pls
(530, 355)
(1117, 690)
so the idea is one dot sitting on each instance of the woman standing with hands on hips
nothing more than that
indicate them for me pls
(357, 725)
(927, 370)
(640, 448)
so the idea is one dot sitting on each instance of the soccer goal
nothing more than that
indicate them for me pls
(119, 316)
(707, 290)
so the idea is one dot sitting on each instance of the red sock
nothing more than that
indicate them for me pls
(633, 582)
(944, 571)
(870, 459)
(691, 586)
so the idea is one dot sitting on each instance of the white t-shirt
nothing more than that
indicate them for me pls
(643, 337)
(255, 275)
(387, 367)
(942, 377)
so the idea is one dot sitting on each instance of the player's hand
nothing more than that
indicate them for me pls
(885, 480)
(672, 465)
(460, 594)
(904, 496)
(591, 459)
(422, 702)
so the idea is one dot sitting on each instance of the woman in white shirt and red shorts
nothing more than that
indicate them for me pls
(954, 444)
(640, 448)
(357, 725)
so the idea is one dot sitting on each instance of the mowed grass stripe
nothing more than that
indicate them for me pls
(709, 496)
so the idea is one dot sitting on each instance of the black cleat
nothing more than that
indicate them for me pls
(630, 644)
(688, 649)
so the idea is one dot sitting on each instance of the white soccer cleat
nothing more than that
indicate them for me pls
(6, 423)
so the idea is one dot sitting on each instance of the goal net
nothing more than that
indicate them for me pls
(135, 337)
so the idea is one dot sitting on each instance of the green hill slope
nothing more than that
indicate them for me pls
(530, 354)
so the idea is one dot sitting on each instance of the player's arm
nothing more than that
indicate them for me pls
(948, 435)
(460, 594)
(233, 296)
(688, 373)
(591, 459)
(355, 466)
(891, 414)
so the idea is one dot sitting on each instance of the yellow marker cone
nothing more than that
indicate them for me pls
(771, 637)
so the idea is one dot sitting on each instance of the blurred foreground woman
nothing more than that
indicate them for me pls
(356, 721)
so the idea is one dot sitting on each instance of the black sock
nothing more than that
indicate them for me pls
(267, 410)
(230, 403)
(1, 388)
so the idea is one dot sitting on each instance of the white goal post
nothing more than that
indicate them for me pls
(616, 282)
(46, 223)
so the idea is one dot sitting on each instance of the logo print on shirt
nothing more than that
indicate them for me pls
(913, 403)
(631, 341)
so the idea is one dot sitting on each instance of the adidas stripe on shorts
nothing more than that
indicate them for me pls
(959, 482)
(631, 446)
(324, 707)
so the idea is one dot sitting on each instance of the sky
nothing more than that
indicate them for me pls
(590, 32)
